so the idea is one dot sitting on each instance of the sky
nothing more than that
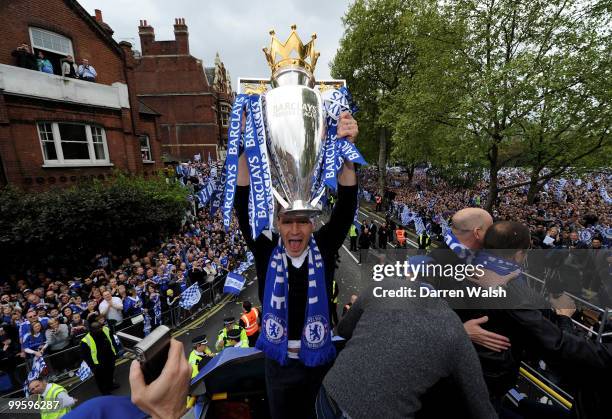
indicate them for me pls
(237, 29)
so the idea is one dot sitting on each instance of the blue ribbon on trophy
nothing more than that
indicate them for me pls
(260, 132)
(259, 211)
(231, 161)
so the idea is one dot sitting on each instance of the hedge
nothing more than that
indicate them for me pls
(67, 227)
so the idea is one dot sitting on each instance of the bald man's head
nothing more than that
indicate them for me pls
(470, 226)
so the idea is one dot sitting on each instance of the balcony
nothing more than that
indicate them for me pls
(22, 82)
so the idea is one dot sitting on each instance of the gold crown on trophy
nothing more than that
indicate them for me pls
(306, 54)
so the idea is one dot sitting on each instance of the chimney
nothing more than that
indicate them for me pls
(128, 53)
(100, 21)
(147, 37)
(181, 36)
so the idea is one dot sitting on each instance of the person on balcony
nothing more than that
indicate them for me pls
(25, 58)
(69, 68)
(87, 72)
(44, 64)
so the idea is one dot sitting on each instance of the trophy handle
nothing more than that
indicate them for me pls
(280, 199)
(316, 200)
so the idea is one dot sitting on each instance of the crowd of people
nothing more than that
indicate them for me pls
(46, 312)
(404, 357)
(580, 204)
(27, 57)
(567, 214)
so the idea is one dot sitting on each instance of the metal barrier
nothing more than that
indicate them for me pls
(546, 386)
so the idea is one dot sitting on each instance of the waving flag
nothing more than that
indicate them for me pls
(234, 283)
(445, 227)
(406, 216)
(190, 297)
(38, 369)
(84, 372)
(418, 225)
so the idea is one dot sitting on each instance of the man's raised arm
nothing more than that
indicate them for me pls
(334, 232)
(241, 201)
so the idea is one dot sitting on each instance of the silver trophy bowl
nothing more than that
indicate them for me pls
(295, 128)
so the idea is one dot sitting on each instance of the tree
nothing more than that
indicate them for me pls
(375, 55)
(504, 81)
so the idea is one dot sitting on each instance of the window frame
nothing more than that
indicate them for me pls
(225, 114)
(55, 51)
(149, 150)
(59, 152)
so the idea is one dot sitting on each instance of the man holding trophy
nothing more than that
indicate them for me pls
(296, 142)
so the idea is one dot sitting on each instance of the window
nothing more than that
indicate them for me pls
(73, 144)
(48, 144)
(225, 110)
(51, 41)
(145, 148)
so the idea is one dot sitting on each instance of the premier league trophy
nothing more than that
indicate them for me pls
(289, 135)
(294, 121)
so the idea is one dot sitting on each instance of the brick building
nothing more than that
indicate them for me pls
(56, 130)
(194, 101)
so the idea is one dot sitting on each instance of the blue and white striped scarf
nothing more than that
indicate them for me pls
(459, 249)
(498, 265)
(316, 346)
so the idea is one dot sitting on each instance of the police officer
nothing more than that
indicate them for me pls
(51, 392)
(424, 241)
(230, 324)
(200, 354)
(353, 237)
(99, 351)
(250, 322)
(234, 339)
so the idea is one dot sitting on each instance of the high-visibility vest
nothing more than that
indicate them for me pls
(194, 360)
(52, 394)
(222, 337)
(400, 235)
(424, 240)
(353, 231)
(334, 288)
(89, 341)
(250, 322)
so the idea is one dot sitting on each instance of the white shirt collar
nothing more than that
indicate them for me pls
(298, 261)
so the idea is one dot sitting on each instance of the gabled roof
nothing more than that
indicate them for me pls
(96, 27)
(210, 75)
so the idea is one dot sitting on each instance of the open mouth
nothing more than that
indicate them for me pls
(294, 245)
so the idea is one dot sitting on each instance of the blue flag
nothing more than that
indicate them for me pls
(190, 297)
(234, 283)
(84, 372)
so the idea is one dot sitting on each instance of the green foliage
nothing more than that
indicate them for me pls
(505, 82)
(374, 56)
(66, 227)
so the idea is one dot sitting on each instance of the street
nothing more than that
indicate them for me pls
(348, 276)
